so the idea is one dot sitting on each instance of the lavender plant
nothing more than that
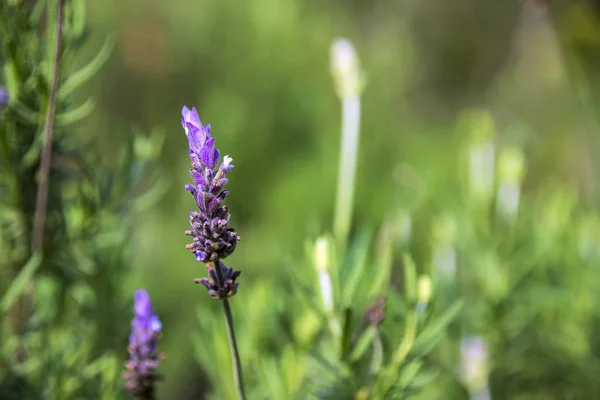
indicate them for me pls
(65, 213)
(213, 240)
(354, 279)
(521, 261)
(344, 331)
(140, 374)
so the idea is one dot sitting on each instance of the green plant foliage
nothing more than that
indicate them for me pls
(65, 314)
(470, 268)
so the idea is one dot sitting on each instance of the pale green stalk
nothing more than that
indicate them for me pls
(483, 394)
(345, 69)
(347, 167)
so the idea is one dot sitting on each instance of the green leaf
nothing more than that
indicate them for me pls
(383, 270)
(409, 373)
(11, 76)
(358, 256)
(152, 196)
(77, 114)
(147, 148)
(37, 12)
(18, 285)
(25, 112)
(86, 73)
(78, 19)
(33, 153)
(436, 330)
(346, 332)
(410, 279)
(363, 343)
(424, 378)
(377, 358)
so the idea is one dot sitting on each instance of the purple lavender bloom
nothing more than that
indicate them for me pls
(228, 276)
(3, 97)
(212, 239)
(140, 373)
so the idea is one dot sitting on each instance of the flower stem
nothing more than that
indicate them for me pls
(235, 355)
(347, 167)
(146, 395)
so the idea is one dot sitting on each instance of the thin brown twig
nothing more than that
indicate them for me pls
(37, 240)
(39, 219)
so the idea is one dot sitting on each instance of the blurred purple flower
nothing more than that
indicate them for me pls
(140, 375)
(474, 366)
(376, 312)
(212, 239)
(3, 97)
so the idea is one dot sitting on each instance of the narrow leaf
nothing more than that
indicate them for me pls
(424, 378)
(86, 73)
(383, 270)
(78, 19)
(17, 287)
(377, 358)
(77, 114)
(410, 279)
(435, 331)
(409, 373)
(363, 343)
(25, 112)
(356, 267)
(346, 333)
(152, 196)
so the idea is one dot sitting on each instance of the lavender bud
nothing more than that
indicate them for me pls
(376, 312)
(345, 68)
(321, 261)
(424, 291)
(140, 374)
(229, 286)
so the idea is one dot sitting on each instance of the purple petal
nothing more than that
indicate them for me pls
(198, 178)
(226, 165)
(208, 202)
(191, 116)
(196, 137)
(200, 256)
(142, 306)
(155, 324)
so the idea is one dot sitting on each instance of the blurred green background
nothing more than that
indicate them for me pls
(258, 72)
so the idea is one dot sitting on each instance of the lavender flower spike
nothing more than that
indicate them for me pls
(212, 239)
(140, 373)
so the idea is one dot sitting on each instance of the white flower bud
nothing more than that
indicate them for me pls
(345, 69)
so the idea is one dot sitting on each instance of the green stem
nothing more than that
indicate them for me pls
(410, 332)
(390, 374)
(347, 168)
(235, 355)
